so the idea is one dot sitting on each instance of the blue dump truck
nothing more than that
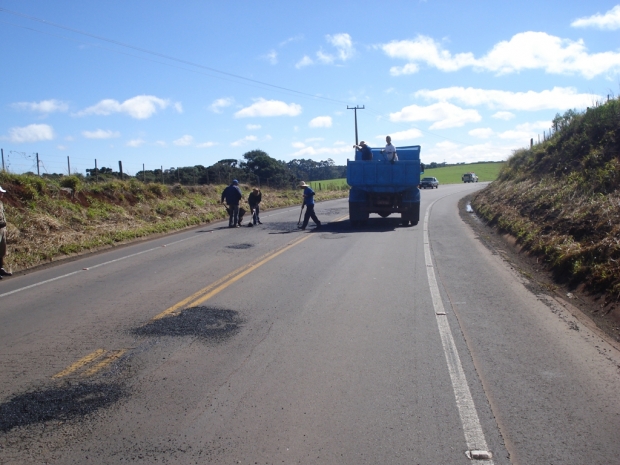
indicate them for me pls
(381, 187)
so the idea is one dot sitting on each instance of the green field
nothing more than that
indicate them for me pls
(486, 171)
(452, 174)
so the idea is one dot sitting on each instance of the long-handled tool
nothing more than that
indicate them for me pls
(302, 209)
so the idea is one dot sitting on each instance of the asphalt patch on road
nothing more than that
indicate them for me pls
(58, 403)
(206, 323)
(240, 246)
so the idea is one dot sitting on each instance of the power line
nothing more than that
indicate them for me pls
(221, 74)
(168, 57)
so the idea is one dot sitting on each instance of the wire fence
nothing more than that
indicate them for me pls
(93, 170)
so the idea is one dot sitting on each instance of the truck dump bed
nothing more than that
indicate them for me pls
(378, 175)
(384, 188)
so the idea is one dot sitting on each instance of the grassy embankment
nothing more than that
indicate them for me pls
(46, 222)
(561, 199)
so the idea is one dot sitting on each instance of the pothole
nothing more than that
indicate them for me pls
(212, 324)
(240, 246)
(60, 403)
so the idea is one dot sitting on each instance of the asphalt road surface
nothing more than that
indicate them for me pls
(270, 345)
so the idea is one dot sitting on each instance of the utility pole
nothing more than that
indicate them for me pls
(68, 166)
(38, 172)
(355, 108)
(2, 159)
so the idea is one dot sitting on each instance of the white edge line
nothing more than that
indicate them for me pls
(108, 262)
(90, 268)
(474, 436)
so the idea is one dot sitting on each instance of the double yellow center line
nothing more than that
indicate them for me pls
(212, 289)
(105, 358)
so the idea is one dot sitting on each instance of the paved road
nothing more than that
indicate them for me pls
(381, 345)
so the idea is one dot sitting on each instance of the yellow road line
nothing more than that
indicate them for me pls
(222, 283)
(247, 271)
(105, 362)
(80, 363)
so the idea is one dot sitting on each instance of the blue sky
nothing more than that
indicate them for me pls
(182, 83)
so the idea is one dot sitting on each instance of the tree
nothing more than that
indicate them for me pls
(266, 168)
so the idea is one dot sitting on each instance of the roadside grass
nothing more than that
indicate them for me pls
(46, 220)
(561, 199)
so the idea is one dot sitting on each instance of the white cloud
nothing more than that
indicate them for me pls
(262, 108)
(178, 107)
(445, 115)
(135, 143)
(344, 51)
(321, 122)
(220, 103)
(62, 147)
(309, 140)
(291, 39)
(101, 134)
(308, 151)
(482, 133)
(524, 51)
(343, 44)
(560, 98)
(455, 153)
(161, 143)
(271, 57)
(184, 141)
(205, 145)
(140, 107)
(610, 20)
(400, 136)
(44, 106)
(245, 140)
(505, 115)
(31, 133)
(252, 127)
(525, 131)
(426, 50)
(305, 61)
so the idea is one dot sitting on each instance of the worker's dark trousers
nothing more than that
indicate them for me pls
(310, 214)
(234, 215)
(255, 213)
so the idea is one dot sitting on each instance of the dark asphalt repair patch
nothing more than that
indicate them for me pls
(58, 403)
(212, 324)
(240, 246)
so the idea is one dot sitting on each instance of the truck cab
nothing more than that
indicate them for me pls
(384, 188)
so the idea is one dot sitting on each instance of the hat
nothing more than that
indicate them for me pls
(1, 189)
(255, 189)
(303, 184)
(362, 142)
(235, 181)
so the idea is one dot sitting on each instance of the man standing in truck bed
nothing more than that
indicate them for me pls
(389, 152)
(366, 152)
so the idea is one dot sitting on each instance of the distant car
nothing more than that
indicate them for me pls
(429, 182)
(469, 177)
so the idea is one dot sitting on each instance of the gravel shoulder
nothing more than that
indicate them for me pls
(589, 309)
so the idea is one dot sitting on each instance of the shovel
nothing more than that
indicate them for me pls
(302, 209)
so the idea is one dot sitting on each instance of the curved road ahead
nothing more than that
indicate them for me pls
(269, 345)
